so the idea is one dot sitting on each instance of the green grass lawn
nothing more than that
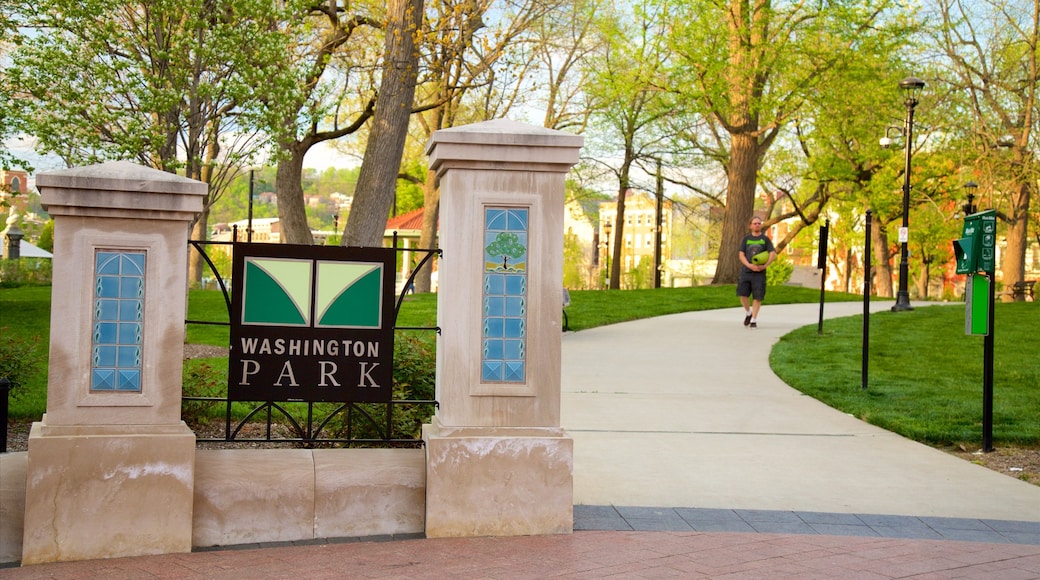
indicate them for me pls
(592, 308)
(924, 378)
(925, 375)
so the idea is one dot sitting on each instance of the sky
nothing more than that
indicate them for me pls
(320, 157)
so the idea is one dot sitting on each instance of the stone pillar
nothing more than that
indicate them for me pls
(111, 465)
(498, 462)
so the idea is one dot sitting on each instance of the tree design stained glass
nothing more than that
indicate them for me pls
(504, 334)
(118, 321)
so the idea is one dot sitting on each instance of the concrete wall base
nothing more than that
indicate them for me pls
(12, 505)
(107, 491)
(240, 496)
(498, 481)
(246, 496)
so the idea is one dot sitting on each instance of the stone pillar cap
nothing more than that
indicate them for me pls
(121, 189)
(503, 144)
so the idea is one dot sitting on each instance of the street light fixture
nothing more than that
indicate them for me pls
(887, 141)
(910, 86)
(969, 208)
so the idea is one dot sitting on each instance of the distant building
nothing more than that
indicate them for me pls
(342, 200)
(638, 233)
(407, 227)
(14, 181)
(265, 230)
(15, 192)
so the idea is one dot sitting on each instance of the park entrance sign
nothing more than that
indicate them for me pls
(312, 324)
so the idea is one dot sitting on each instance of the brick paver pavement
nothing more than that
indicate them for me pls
(606, 554)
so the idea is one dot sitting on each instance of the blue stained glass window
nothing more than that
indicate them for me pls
(513, 328)
(503, 357)
(107, 310)
(106, 333)
(108, 287)
(118, 321)
(103, 380)
(131, 287)
(105, 356)
(494, 306)
(494, 327)
(491, 371)
(494, 285)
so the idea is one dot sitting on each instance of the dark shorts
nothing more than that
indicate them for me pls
(752, 284)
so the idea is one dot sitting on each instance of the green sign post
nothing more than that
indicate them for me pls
(975, 252)
(976, 298)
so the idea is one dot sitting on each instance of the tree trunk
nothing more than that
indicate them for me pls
(377, 180)
(619, 231)
(740, 205)
(200, 229)
(292, 214)
(196, 265)
(1014, 258)
(428, 235)
(847, 274)
(921, 281)
(882, 260)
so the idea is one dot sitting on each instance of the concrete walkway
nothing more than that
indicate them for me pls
(684, 411)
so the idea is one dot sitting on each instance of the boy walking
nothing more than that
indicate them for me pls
(756, 254)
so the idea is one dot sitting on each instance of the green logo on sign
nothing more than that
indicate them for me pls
(285, 292)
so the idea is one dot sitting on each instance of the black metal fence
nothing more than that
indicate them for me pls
(313, 424)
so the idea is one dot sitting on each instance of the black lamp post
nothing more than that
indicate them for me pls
(910, 86)
(969, 208)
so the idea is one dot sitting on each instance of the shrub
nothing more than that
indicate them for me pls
(202, 380)
(779, 272)
(25, 272)
(17, 358)
(414, 380)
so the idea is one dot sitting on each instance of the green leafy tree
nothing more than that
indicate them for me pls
(831, 162)
(331, 68)
(467, 51)
(10, 122)
(575, 264)
(155, 82)
(46, 239)
(377, 181)
(632, 109)
(170, 84)
(748, 68)
(640, 276)
(992, 62)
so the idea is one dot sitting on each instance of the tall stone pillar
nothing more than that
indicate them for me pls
(498, 462)
(111, 466)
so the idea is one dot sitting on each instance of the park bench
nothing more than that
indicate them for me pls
(1023, 291)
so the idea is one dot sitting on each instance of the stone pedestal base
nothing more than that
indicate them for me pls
(107, 491)
(486, 481)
